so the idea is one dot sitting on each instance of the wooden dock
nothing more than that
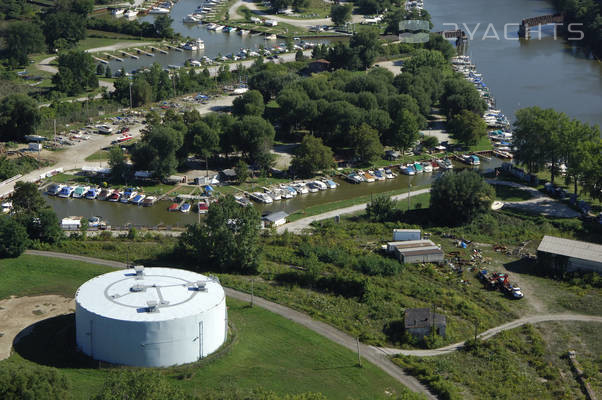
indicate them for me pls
(144, 52)
(100, 60)
(123, 53)
(174, 48)
(159, 50)
(112, 57)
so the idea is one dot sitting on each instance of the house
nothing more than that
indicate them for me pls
(416, 251)
(419, 322)
(569, 255)
(274, 219)
(392, 155)
(227, 175)
(318, 66)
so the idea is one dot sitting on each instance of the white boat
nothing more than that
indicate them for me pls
(261, 197)
(212, 27)
(321, 185)
(159, 10)
(275, 194)
(272, 37)
(244, 32)
(191, 19)
(427, 167)
(300, 188)
(66, 191)
(128, 195)
(7, 206)
(55, 189)
(389, 174)
(377, 175)
(445, 163)
(131, 13)
(193, 45)
(80, 191)
(219, 28)
(330, 184)
(118, 11)
(138, 199)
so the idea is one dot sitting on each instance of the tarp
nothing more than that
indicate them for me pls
(208, 188)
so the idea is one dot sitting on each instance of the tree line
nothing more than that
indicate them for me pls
(588, 13)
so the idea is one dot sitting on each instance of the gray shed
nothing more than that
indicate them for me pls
(416, 251)
(570, 255)
(274, 219)
(419, 322)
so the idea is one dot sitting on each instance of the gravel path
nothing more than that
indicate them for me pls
(299, 225)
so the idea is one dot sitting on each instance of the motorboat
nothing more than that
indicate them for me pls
(115, 196)
(131, 13)
(194, 45)
(368, 177)
(190, 18)
(55, 189)
(212, 26)
(407, 170)
(173, 207)
(118, 11)
(427, 167)
(243, 32)
(389, 174)
(300, 188)
(434, 165)
(354, 178)
(80, 191)
(202, 206)
(94, 222)
(229, 29)
(104, 194)
(291, 191)
(185, 208)
(418, 167)
(378, 175)
(262, 197)
(445, 163)
(6, 206)
(92, 193)
(149, 201)
(312, 188)
(128, 194)
(159, 10)
(274, 194)
(138, 199)
(330, 184)
(321, 185)
(472, 160)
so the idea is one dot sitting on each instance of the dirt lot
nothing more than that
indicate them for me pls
(17, 313)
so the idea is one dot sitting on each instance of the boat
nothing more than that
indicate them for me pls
(218, 28)
(417, 167)
(92, 193)
(407, 170)
(242, 200)
(131, 13)
(472, 160)
(6, 206)
(272, 37)
(300, 188)
(445, 163)
(229, 29)
(149, 201)
(427, 167)
(289, 189)
(138, 199)
(104, 194)
(321, 185)
(274, 194)
(367, 176)
(389, 174)
(159, 10)
(118, 11)
(330, 184)
(194, 45)
(114, 197)
(262, 197)
(128, 194)
(354, 178)
(243, 32)
(54, 189)
(185, 208)
(202, 207)
(173, 207)
(211, 26)
(434, 165)
(285, 194)
(378, 175)
(94, 222)
(80, 191)
(190, 18)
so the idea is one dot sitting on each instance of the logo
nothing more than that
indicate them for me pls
(414, 31)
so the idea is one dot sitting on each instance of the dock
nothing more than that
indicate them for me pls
(157, 49)
(174, 48)
(100, 60)
(123, 53)
(112, 57)
(144, 52)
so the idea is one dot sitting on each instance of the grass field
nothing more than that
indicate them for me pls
(526, 362)
(268, 351)
(100, 155)
(509, 193)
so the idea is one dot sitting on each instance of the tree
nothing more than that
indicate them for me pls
(13, 237)
(457, 198)
(228, 240)
(381, 209)
(424, 58)
(250, 103)
(405, 131)
(100, 69)
(311, 156)
(255, 137)
(430, 141)
(459, 94)
(366, 45)
(340, 14)
(66, 26)
(22, 39)
(156, 151)
(163, 26)
(45, 227)
(242, 171)
(108, 72)
(366, 143)
(19, 116)
(139, 384)
(118, 164)
(299, 56)
(142, 92)
(468, 128)
(27, 199)
(76, 72)
(205, 141)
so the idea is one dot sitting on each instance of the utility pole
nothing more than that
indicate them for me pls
(359, 359)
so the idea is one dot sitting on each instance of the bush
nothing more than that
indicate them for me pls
(13, 238)
(19, 382)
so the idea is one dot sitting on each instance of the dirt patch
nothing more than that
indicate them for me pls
(17, 313)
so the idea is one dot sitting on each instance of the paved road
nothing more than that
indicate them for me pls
(539, 204)
(299, 225)
(374, 355)
(494, 331)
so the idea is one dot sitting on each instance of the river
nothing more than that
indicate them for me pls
(547, 73)
(123, 214)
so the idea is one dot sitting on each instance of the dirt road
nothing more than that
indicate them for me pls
(303, 223)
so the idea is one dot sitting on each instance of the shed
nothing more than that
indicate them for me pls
(274, 219)
(227, 175)
(569, 255)
(416, 251)
(419, 322)
(71, 223)
(392, 155)
(406, 234)
(270, 22)
(318, 66)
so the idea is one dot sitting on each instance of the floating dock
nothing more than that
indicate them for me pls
(144, 52)
(123, 53)
(112, 57)
(100, 60)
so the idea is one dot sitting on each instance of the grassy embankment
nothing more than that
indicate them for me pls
(526, 362)
(268, 351)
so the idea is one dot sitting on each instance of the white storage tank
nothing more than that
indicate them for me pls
(406, 234)
(150, 317)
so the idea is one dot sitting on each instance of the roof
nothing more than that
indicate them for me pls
(411, 244)
(229, 172)
(112, 295)
(421, 251)
(406, 230)
(422, 318)
(275, 216)
(321, 61)
(571, 248)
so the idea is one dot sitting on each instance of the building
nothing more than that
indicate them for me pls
(150, 317)
(419, 322)
(400, 235)
(569, 255)
(274, 219)
(318, 66)
(416, 251)
(270, 22)
(227, 175)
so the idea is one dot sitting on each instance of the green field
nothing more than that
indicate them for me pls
(509, 193)
(267, 351)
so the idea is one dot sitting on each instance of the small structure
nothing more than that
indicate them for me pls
(94, 171)
(416, 251)
(392, 155)
(274, 219)
(227, 175)
(71, 223)
(569, 255)
(420, 322)
(400, 235)
(318, 66)
(270, 22)
(174, 180)
(35, 146)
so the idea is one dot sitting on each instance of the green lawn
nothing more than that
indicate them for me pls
(100, 155)
(268, 351)
(509, 193)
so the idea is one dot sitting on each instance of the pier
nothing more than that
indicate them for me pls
(112, 57)
(144, 52)
(157, 49)
(123, 53)
(100, 60)
(174, 48)
(523, 31)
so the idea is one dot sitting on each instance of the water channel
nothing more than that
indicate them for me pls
(123, 214)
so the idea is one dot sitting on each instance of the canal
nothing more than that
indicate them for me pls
(118, 214)
(546, 73)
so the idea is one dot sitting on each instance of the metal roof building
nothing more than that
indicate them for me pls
(416, 251)
(579, 255)
(151, 317)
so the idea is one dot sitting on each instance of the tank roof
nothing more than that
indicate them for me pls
(149, 294)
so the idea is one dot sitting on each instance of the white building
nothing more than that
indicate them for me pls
(270, 22)
(151, 317)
